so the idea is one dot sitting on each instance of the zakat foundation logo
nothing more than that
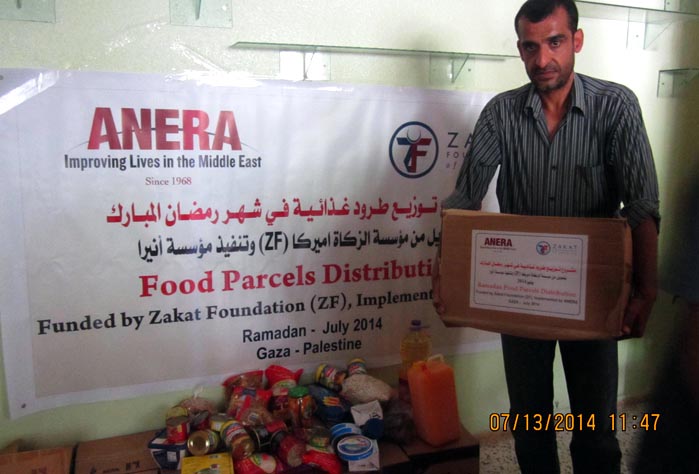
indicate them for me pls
(413, 149)
(543, 248)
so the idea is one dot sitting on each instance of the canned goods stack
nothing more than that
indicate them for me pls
(177, 424)
(356, 366)
(301, 407)
(177, 429)
(263, 435)
(237, 440)
(203, 442)
(217, 421)
(330, 377)
(269, 422)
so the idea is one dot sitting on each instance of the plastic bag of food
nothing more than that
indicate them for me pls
(398, 422)
(331, 407)
(280, 380)
(364, 388)
(280, 377)
(254, 415)
(252, 379)
(327, 462)
(257, 463)
(244, 398)
(197, 404)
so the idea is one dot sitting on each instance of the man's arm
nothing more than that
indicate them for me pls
(477, 171)
(645, 278)
(639, 193)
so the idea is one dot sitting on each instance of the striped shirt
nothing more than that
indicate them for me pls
(598, 164)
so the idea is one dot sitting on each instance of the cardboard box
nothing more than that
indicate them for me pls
(167, 455)
(461, 456)
(219, 463)
(13, 447)
(118, 455)
(538, 277)
(44, 461)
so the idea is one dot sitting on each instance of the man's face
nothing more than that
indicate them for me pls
(548, 50)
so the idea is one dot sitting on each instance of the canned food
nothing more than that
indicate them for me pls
(177, 429)
(319, 437)
(237, 440)
(356, 366)
(330, 377)
(176, 412)
(276, 426)
(261, 436)
(203, 442)
(342, 429)
(301, 407)
(288, 448)
(279, 404)
(200, 421)
(258, 463)
(217, 420)
(354, 448)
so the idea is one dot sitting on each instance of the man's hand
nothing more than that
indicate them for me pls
(437, 287)
(637, 315)
(644, 291)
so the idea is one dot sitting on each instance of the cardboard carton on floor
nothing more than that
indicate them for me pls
(45, 461)
(538, 277)
(461, 456)
(13, 447)
(165, 454)
(220, 463)
(118, 455)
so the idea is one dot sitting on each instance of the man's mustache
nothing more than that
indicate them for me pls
(540, 70)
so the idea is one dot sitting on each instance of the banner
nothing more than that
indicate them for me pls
(166, 231)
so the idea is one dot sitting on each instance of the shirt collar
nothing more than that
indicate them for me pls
(533, 101)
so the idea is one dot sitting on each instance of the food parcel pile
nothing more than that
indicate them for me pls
(272, 424)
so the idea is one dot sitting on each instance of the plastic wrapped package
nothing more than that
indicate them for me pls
(331, 407)
(364, 388)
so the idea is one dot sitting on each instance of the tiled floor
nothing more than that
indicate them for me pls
(497, 455)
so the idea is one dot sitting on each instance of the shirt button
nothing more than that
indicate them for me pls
(554, 167)
(551, 198)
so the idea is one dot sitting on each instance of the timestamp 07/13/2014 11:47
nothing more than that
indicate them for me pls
(571, 422)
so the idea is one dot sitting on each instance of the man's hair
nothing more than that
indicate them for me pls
(537, 10)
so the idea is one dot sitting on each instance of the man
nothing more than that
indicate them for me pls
(574, 146)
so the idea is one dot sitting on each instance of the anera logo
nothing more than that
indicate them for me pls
(413, 149)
